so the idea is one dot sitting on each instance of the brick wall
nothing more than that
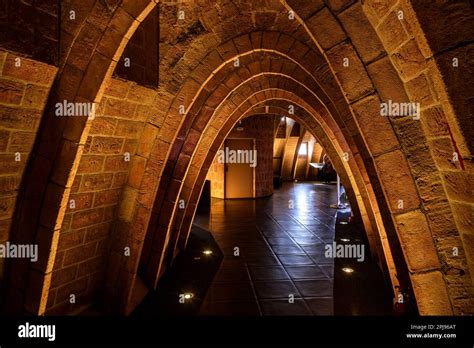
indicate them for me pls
(141, 53)
(103, 171)
(24, 88)
(31, 28)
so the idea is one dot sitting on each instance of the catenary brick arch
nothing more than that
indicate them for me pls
(214, 146)
(166, 218)
(191, 189)
(170, 209)
(398, 155)
(55, 157)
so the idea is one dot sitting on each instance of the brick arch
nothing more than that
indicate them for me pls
(167, 218)
(278, 107)
(56, 153)
(357, 96)
(350, 99)
(376, 150)
(184, 217)
(130, 229)
(419, 36)
(317, 130)
(166, 213)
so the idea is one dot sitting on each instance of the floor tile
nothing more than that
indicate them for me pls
(306, 272)
(295, 259)
(275, 289)
(268, 273)
(315, 288)
(287, 249)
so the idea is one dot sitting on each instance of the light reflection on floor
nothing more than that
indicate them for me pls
(273, 248)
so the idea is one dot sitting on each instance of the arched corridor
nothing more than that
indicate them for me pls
(110, 127)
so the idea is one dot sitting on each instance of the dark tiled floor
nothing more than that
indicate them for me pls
(274, 262)
(273, 249)
(192, 272)
(271, 262)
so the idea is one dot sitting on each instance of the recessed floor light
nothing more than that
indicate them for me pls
(345, 240)
(188, 296)
(347, 270)
(342, 222)
(207, 252)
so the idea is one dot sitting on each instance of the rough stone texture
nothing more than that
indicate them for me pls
(395, 174)
(326, 29)
(465, 217)
(417, 242)
(108, 157)
(444, 154)
(419, 90)
(364, 39)
(376, 128)
(432, 297)
(457, 78)
(408, 60)
(447, 24)
(31, 28)
(353, 78)
(434, 121)
(392, 32)
(23, 92)
(415, 146)
(459, 186)
(379, 8)
(305, 8)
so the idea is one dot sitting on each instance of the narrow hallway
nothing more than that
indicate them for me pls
(114, 115)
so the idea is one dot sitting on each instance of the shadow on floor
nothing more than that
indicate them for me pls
(364, 291)
(191, 273)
